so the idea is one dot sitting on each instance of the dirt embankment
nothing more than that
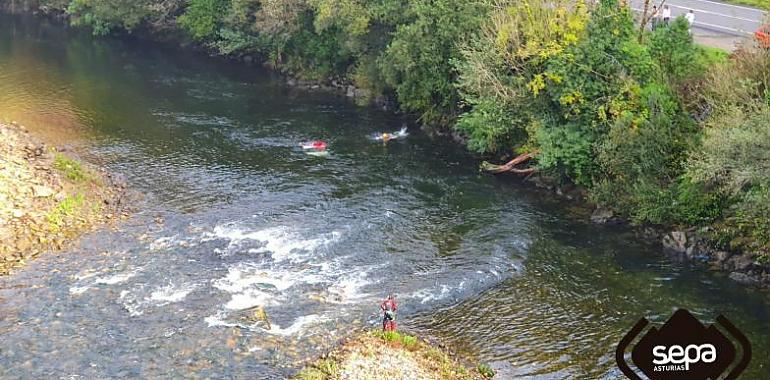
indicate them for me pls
(47, 197)
(376, 355)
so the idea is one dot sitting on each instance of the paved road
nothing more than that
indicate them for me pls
(716, 24)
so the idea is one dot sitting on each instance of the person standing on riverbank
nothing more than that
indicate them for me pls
(389, 309)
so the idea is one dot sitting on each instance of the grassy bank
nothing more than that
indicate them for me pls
(47, 198)
(391, 355)
(759, 4)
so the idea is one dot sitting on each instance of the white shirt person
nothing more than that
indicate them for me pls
(666, 13)
(690, 16)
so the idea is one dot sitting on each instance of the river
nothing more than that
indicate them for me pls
(233, 215)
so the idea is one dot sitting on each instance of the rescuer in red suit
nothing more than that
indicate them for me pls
(389, 308)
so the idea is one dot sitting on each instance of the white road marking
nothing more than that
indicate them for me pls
(717, 14)
(733, 6)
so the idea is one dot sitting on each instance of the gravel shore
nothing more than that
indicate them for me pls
(48, 197)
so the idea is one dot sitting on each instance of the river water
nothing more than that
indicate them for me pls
(234, 216)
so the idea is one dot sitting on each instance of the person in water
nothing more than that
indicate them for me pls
(389, 308)
(386, 136)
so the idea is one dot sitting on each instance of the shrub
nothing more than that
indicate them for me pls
(674, 50)
(417, 62)
(486, 371)
(202, 17)
(71, 169)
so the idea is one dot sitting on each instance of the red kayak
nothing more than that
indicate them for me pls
(317, 145)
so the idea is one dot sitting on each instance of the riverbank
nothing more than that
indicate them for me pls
(48, 198)
(377, 355)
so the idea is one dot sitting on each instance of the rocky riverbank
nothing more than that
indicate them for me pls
(698, 245)
(376, 355)
(48, 198)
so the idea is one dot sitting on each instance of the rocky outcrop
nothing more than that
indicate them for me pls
(747, 268)
(47, 198)
(602, 215)
(393, 355)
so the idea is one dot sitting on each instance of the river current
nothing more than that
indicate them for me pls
(233, 216)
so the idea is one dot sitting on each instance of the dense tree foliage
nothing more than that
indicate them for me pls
(654, 129)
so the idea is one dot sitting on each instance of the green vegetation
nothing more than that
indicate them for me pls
(485, 370)
(659, 129)
(71, 169)
(66, 208)
(321, 370)
(761, 4)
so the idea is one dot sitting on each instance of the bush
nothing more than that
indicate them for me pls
(735, 155)
(674, 50)
(202, 17)
(492, 127)
(486, 371)
(417, 62)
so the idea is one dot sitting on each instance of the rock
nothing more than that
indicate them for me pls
(40, 191)
(248, 59)
(742, 262)
(291, 82)
(721, 256)
(601, 215)
(17, 213)
(60, 196)
(676, 241)
(362, 93)
(350, 92)
(743, 278)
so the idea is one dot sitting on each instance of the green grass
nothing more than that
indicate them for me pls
(321, 370)
(711, 56)
(761, 4)
(71, 169)
(486, 371)
(68, 206)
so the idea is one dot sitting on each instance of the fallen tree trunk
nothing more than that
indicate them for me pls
(510, 166)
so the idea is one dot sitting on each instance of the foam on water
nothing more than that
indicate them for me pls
(115, 279)
(280, 242)
(106, 280)
(172, 293)
(348, 287)
(298, 326)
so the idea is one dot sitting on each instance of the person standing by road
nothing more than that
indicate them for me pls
(690, 16)
(666, 14)
(654, 17)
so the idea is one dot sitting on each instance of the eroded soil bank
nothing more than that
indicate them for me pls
(48, 197)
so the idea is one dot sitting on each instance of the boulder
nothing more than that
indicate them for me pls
(40, 191)
(743, 278)
(742, 262)
(676, 241)
(721, 256)
(602, 215)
